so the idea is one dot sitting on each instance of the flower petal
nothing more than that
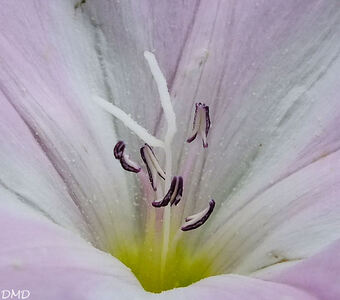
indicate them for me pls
(56, 145)
(318, 275)
(53, 263)
(122, 32)
(269, 72)
(270, 77)
(233, 287)
(289, 221)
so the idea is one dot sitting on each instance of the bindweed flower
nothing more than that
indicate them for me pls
(170, 149)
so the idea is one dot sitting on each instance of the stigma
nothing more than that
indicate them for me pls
(201, 123)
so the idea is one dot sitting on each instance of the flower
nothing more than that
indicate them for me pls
(267, 70)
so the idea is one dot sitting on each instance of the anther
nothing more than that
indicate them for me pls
(152, 165)
(118, 150)
(174, 194)
(126, 163)
(178, 192)
(197, 220)
(201, 123)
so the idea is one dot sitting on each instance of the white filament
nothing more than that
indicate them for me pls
(130, 123)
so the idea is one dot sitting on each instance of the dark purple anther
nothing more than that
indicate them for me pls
(118, 150)
(174, 194)
(190, 139)
(197, 220)
(142, 154)
(179, 191)
(126, 163)
(152, 165)
(207, 126)
(168, 195)
(201, 123)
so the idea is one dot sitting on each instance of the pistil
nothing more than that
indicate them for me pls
(170, 133)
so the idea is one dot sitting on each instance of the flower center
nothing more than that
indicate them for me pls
(163, 258)
(183, 266)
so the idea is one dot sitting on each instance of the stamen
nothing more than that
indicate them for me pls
(152, 165)
(195, 125)
(178, 192)
(197, 220)
(129, 165)
(165, 201)
(201, 123)
(126, 163)
(118, 150)
(174, 194)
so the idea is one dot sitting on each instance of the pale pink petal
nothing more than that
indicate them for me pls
(122, 31)
(53, 263)
(55, 143)
(234, 287)
(290, 221)
(318, 275)
(269, 71)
